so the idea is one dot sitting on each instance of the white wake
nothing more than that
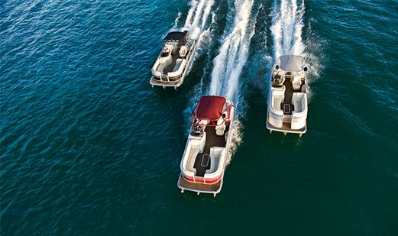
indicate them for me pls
(287, 28)
(228, 64)
(197, 17)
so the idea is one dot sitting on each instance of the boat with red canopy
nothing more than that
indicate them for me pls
(206, 151)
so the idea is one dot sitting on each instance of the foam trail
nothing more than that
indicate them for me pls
(206, 13)
(287, 28)
(191, 11)
(176, 21)
(198, 13)
(228, 64)
(197, 17)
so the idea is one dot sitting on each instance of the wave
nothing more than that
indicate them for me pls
(176, 21)
(197, 16)
(287, 28)
(236, 139)
(228, 64)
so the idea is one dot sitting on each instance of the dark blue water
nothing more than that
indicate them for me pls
(87, 147)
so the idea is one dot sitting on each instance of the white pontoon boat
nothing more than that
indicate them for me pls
(287, 104)
(174, 60)
(206, 151)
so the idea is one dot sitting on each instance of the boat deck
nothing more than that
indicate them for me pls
(173, 63)
(212, 140)
(288, 91)
(287, 106)
(199, 187)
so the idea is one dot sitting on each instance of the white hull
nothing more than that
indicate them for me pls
(287, 101)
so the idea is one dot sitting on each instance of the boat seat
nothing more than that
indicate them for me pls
(278, 96)
(279, 79)
(183, 51)
(220, 128)
(296, 82)
(215, 151)
(178, 64)
(298, 101)
(215, 155)
(277, 103)
(191, 159)
(214, 165)
(165, 60)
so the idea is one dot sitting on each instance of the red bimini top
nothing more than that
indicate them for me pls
(209, 108)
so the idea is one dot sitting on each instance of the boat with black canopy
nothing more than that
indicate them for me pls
(174, 60)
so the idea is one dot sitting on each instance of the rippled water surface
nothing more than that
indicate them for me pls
(87, 147)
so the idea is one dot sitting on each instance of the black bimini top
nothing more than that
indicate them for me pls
(176, 36)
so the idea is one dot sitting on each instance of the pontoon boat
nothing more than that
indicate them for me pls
(174, 60)
(287, 104)
(206, 151)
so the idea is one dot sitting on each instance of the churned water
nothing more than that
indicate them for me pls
(87, 147)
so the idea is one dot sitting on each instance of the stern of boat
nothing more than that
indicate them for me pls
(199, 186)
